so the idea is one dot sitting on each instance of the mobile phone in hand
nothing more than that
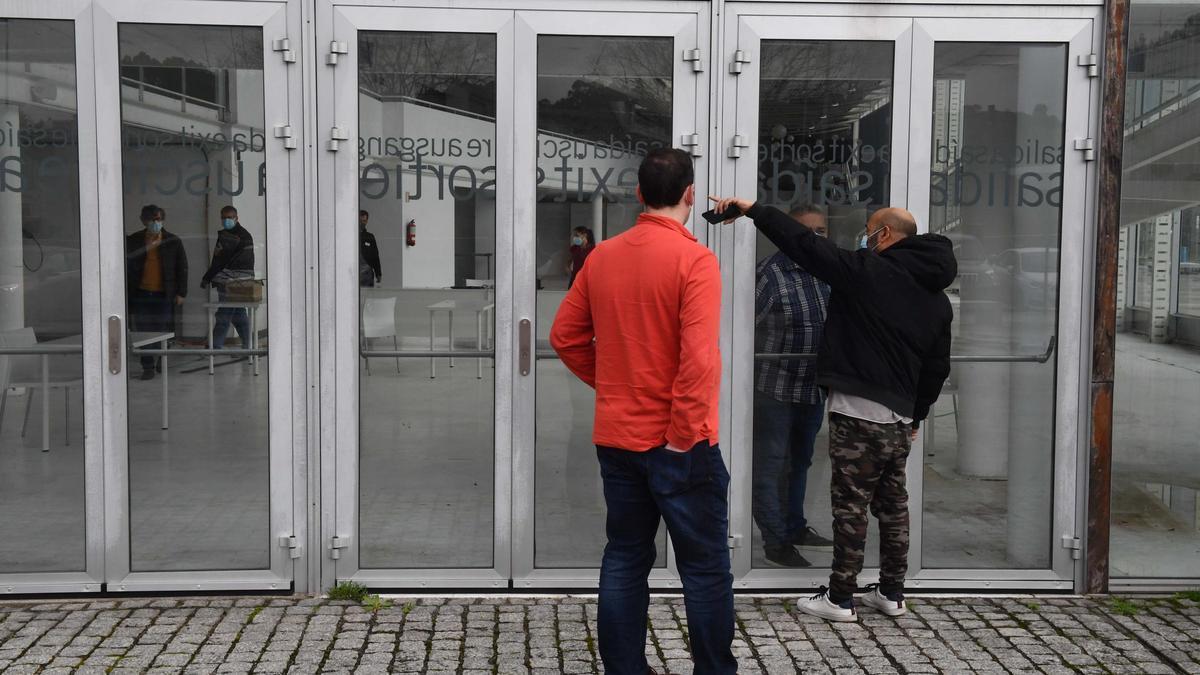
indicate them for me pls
(713, 217)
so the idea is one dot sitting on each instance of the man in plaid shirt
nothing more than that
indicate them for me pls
(789, 314)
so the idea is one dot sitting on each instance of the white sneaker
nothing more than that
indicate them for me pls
(820, 605)
(892, 605)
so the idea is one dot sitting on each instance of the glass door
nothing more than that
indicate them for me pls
(416, 159)
(816, 123)
(595, 91)
(51, 507)
(1002, 112)
(196, 234)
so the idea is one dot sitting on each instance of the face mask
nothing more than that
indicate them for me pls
(155, 226)
(577, 241)
(228, 223)
(865, 240)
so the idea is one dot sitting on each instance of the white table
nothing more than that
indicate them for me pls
(139, 339)
(252, 309)
(481, 309)
(70, 340)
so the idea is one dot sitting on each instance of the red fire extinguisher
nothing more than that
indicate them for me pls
(410, 233)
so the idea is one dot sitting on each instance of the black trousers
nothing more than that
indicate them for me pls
(151, 312)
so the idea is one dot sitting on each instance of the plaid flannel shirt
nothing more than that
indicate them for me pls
(789, 314)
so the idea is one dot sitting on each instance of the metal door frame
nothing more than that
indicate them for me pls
(1078, 26)
(688, 24)
(339, 324)
(286, 317)
(91, 578)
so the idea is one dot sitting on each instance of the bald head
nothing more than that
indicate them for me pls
(890, 225)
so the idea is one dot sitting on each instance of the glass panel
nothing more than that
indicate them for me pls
(996, 192)
(41, 396)
(603, 103)
(427, 239)
(824, 150)
(195, 231)
(1156, 478)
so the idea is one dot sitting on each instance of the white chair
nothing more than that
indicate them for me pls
(25, 371)
(378, 320)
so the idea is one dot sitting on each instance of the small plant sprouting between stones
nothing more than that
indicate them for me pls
(1123, 607)
(408, 607)
(348, 590)
(1033, 606)
(254, 613)
(374, 603)
(1193, 595)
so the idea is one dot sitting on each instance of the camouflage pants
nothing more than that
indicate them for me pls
(868, 473)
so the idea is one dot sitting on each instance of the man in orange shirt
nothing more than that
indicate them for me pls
(640, 325)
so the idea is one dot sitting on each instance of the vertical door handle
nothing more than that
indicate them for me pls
(114, 344)
(526, 331)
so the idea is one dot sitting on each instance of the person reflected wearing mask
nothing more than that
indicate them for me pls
(582, 243)
(789, 314)
(156, 278)
(370, 272)
(884, 356)
(233, 260)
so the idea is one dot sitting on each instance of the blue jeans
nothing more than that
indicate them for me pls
(227, 315)
(782, 432)
(688, 491)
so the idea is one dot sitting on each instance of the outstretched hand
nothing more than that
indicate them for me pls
(723, 203)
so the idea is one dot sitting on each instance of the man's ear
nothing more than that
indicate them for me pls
(689, 195)
(638, 191)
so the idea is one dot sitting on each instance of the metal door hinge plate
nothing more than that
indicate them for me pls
(336, 136)
(336, 544)
(292, 544)
(336, 48)
(1074, 544)
(692, 143)
(1088, 147)
(284, 47)
(740, 58)
(284, 133)
(735, 541)
(735, 146)
(1091, 62)
(695, 57)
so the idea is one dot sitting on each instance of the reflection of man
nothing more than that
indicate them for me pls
(156, 278)
(370, 272)
(640, 325)
(884, 356)
(233, 260)
(789, 312)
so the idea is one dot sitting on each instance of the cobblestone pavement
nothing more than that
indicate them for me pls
(556, 634)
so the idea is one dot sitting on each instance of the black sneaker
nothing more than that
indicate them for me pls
(811, 541)
(785, 556)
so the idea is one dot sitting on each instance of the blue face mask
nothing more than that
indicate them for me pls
(865, 240)
(578, 241)
(155, 226)
(228, 223)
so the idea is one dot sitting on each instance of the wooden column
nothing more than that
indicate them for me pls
(1108, 231)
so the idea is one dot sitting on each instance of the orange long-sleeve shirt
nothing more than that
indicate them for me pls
(641, 325)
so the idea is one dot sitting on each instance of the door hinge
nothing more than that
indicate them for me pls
(1088, 147)
(336, 544)
(695, 58)
(735, 147)
(735, 541)
(336, 136)
(1074, 545)
(739, 58)
(284, 46)
(292, 544)
(336, 48)
(1091, 62)
(284, 133)
(692, 143)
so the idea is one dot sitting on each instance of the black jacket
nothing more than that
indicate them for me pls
(170, 255)
(887, 336)
(368, 248)
(234, 252)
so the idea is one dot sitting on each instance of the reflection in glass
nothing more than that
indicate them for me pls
(603, 102)
(41, 396)
(824, 153)
(996, 192)
(195, 231)
(1155, 482)
(427, 239)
